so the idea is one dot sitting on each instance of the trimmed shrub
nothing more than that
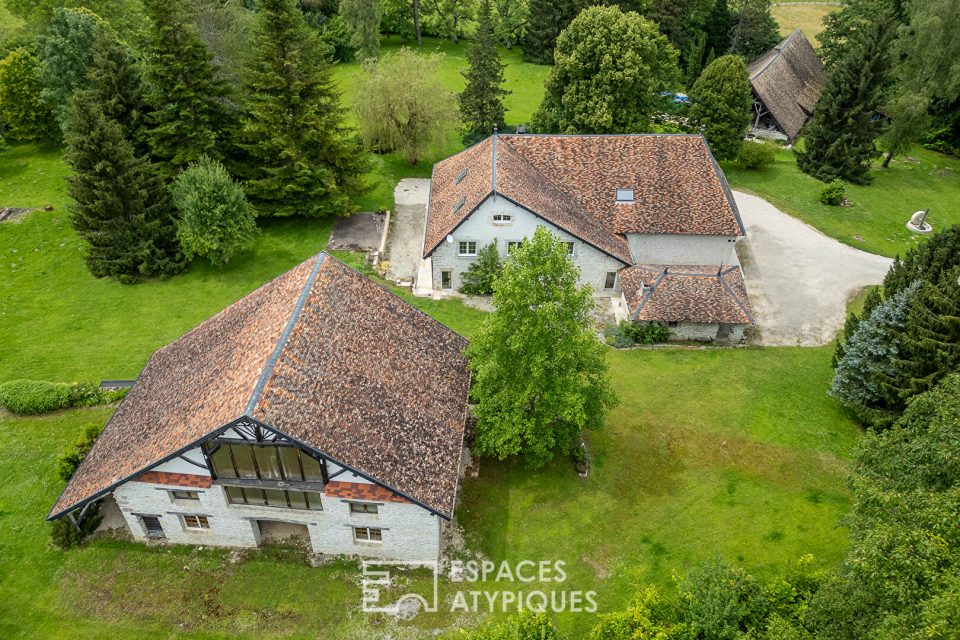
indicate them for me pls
(757, 155)
(834, 193)
(33, 396)
(71, 457)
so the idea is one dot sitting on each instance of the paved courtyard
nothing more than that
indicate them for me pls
(407, 223)
(799, 280)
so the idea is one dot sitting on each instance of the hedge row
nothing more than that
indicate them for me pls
(39, 396)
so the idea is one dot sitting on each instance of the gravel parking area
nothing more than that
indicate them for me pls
(406, 228)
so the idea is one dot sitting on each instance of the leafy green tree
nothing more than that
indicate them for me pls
(481, 101)
(926, 261)
(841, 136)
(114, 82)
(225, 29)
(216, 220)
(363, 20)
(930, 342)
(189, 115)
(610, 68)
(860, 380)
(511, 17)
(24, 113)
(452, 14)
(481, 276)
(67, 52)
(651, 615)
(304, 159)
(547, 18)
(125, 17)
(403, 106)
(120, 207)
(720, 601)
(841, 27)
(721, 102)
(755, 30)
(679, 20)
(523, 626)
(540, 373)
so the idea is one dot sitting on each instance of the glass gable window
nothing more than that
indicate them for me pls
(254, 496)
(265, 462)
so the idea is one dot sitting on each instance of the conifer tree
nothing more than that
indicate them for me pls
(547, 19)
(721, 105)
(120, 207)
(481, 102)
(925, 261)
(66, 55)
(306, 160)
(930, 343)
(189, 115)
(841, 136)
(755, 30)
(718, 26)
(116, 85)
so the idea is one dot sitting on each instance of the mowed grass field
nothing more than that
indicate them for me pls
(806, 16)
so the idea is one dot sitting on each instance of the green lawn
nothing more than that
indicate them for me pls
(806, 16)
(877, 219)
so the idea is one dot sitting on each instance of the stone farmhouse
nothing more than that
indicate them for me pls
(787, 82)
(284, 414)
(649, 220)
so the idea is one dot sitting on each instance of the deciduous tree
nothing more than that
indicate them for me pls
(363, 20)
(66, 55)
(540, 373)
(610, 68)
(755, 30)
(403, 106)
(304, 160)
(481, 101)
(721, 102)
(24, 113)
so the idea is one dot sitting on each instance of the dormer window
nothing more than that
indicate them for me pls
(502, 218)
(461, 176)
(624, 195)
(459, 204)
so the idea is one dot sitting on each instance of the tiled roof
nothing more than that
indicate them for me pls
(320, 354)
(788, 79)
(571, 181)
(684, 293)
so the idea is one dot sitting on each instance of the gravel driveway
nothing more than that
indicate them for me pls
(406, 228)
(799, 280)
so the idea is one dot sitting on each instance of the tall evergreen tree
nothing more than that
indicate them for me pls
(120, 207)
(930, 343)
(66, 55)
(671, 16)
(718, 26)
(547, 19)
(305, 160)
(481, 102)
(114, 82)
(190, 116)
(755, 30)
(841, 136)
(840, 27)
(925, 261)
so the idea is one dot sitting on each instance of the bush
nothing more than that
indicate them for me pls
(480, 276)
(756, 155)
(33, 396)
(650, 333)
(618, 335)
(64, 535)
(627, 334)
(71, 457)
(834, 193)
(216, 221)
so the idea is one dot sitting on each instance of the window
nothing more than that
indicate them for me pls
(611, 280)
(196, 523)
(461, 176)
(367, 534)
(265, 462)
(502, 218)
(184, 495)
(446, 279)
(459, 204)
(151, 525)
(511, 246)
(284, 498)
(570, 247)
(672, 324)
(468, 248)
(360, 507)
(624, 195)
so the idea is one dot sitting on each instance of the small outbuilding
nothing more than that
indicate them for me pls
(787, 82)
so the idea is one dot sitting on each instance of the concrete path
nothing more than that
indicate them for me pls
(407, 223)
(798, 279)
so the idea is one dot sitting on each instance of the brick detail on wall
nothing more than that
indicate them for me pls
(358, 491)
(175, 479)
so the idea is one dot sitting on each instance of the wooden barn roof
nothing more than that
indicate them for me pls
(788, 79)
(320, 354)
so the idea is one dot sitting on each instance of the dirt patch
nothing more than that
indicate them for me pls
(359, 232)
(14, 214)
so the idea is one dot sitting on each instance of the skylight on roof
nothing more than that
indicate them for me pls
(624, 195)
(461, 176)
(459, 203)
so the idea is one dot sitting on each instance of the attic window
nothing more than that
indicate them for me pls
(461, 176)
(459, 204)
(624, 195)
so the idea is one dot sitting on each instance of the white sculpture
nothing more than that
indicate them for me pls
(918, 222)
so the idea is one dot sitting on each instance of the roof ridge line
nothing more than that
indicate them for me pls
(493, 163)
(734, 295)
(285, 336)
(648, 295)
(778, 48)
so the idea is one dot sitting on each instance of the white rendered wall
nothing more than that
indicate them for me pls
(664, 248)
(479, 227)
